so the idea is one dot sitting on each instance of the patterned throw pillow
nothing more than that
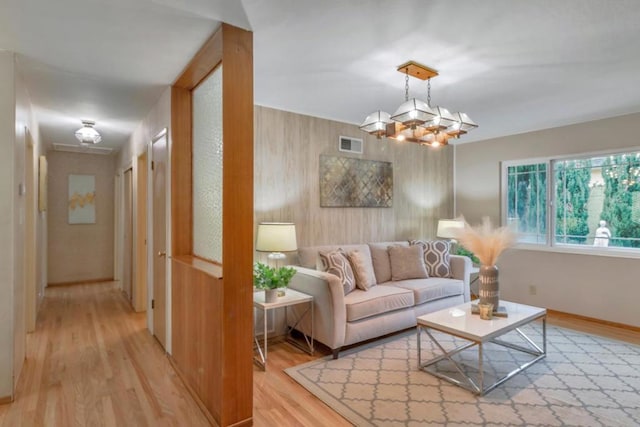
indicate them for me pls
(337, 263)
(360, 270)
(436, 256)
(407, 263)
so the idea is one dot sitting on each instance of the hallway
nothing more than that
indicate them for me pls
(91, 362)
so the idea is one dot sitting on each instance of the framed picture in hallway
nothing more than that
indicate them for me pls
(82, 199)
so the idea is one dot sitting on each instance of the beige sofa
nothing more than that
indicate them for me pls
(390, 306)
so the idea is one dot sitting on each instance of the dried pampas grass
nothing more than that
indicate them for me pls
(486, 242)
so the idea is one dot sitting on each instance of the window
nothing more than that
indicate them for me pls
(590, 201)
(527, 201)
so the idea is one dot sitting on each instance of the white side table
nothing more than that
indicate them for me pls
(290, 298)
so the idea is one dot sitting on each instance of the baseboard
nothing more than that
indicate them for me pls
(5, 400)
(81, 282)
(594, 320)
(192, 392)
(244, 423)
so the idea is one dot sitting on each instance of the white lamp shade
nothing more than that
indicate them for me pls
(448, 228)
(276, 237)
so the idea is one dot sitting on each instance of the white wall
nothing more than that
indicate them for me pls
(158, 118)
(7, 195)
(22, 119)
(16, 119)
(596, 286)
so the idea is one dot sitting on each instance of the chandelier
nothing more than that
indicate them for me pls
(87, 134)
(416, 120)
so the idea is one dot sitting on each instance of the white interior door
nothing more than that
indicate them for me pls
(159, 197)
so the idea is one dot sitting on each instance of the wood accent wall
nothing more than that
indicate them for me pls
(212, 314)
(287, 155)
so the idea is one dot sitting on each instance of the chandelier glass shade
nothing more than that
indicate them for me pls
(376, 123)
(414, 113)
(87, 134)
(416, 120)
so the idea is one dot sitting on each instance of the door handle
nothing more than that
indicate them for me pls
(162, 254)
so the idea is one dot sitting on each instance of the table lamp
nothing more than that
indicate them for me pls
(276, 238)
(448, 228)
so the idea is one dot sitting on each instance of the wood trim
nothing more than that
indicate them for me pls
(80, 282)
(181, 170)
(237, 223)
(212, 319)
(196, 263)
(4, 400)
(244, 423)
(555, 313)
(207, 58)
(195, 396)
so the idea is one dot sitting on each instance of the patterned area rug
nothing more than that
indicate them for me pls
(585, 380)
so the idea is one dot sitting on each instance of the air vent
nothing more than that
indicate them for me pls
(350, 145)
(82, 149)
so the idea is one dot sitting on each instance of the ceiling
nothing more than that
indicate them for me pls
(512, 66)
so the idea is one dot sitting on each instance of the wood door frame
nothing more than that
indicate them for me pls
(140, 258)
(128, 219)
(117, 227)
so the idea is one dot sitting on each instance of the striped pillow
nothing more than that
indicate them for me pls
(436, 256)
(337, 263)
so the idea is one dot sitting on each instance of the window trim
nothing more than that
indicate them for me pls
(550, 245)
(504, 203)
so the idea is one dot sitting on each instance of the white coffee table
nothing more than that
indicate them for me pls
(459, 322)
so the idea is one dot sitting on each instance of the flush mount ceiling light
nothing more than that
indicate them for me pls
(87, 134)
(416, 120)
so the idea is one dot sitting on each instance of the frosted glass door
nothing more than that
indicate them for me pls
(207, 167)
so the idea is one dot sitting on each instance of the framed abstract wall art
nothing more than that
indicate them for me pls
(349, 182)
(82, 199)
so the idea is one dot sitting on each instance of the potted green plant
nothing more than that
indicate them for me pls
(270, 279)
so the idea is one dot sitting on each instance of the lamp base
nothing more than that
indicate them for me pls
(276, 255)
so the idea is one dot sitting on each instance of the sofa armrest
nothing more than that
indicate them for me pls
(461, 270)
(330, 311)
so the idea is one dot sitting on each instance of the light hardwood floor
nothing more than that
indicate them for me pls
(92, 362)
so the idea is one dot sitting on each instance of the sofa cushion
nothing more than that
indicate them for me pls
(381, 261)
(431, 289)
(436, 256)
(407, 262)
(310, 258)
(359, 264)
(377, 300)
(338, 264)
